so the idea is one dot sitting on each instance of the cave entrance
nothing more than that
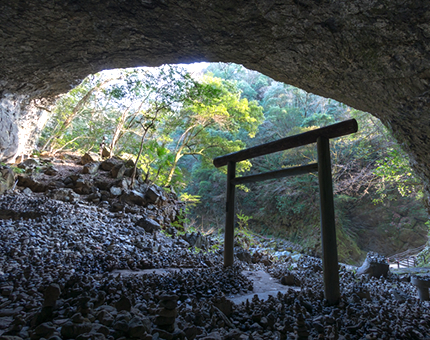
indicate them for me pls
(323, 167)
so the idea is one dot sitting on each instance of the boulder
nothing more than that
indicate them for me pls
(108, 164)
(51, 171)
(123, 304)
(83, 186)
(148, 224)
(102, 184)
(243, 255)
(129, 164)
(71, 330)
(51, 295)
(65, 195)
(153, 194)
(375, 265)
(28, 163)
(31, 183)
(90, 157)
(129, 172)
(115, 191)
(7, 179)
(123, 183)
(196, 240)
(91, 168)
(105, 152)
(118, 171)
(289, 279)
(133, 197)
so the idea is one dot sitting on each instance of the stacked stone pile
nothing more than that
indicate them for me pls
(59, 279)
(103, 183)
(166, 316)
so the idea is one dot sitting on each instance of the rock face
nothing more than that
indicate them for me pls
(371, 55)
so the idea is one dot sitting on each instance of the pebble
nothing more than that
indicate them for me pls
(57, 282)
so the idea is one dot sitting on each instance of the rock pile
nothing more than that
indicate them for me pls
(103, 183)
(67, 272)
(166, 314)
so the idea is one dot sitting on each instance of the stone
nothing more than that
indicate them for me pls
(105, 318)
(31, 183)
(123, 304)
(129, 172)
(27, 191)
(169, 303)
(164, 320)
(65, 195)
(108, 164)
(115, 191)
(243, 255)
(98, 328)
(170, 313)
(121, 325)
(7, 179)
(72, 330)
(90, 157)
(83, 186)
(91, 336)
(51, 171)
(133, 197)
(118, 171)
(51, 295)
(45, 329)
(374, 265)
(196, 240)
(91, 168)
(136, 327)
(105, 152)
(102, 184)
(191, 332)
(152, 194)
(215, 335)
(148, 224)
(225, 306)
(290, 280)
(28, 163)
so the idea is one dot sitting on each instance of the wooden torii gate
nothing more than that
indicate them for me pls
(323, 167)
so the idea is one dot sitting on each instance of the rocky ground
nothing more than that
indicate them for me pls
(60, 278)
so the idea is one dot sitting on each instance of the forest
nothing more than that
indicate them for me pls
(171, 123)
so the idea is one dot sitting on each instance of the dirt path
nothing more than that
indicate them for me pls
(264, 284)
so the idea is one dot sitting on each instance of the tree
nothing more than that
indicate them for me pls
(206, 124)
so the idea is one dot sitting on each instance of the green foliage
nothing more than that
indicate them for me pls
(318, 119)
(182, 219)
(156, 116)
(243, 220)
(395, 171)
(290, 207)
(174, 125)
(17, 170)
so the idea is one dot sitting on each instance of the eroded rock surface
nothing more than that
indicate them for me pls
(371, 55)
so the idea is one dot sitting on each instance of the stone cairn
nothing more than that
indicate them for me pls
(167, 312)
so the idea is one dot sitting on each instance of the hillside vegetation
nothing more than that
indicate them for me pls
(172, 125)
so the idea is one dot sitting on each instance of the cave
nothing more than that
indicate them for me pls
(371, 55)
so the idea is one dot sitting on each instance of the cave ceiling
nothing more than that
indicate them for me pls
(373, 55)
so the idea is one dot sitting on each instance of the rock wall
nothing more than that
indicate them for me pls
(21, 121)
(372, 55)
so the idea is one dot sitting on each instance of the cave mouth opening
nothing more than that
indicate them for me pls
(287, 111)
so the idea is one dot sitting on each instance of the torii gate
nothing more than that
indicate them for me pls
(323, 167)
